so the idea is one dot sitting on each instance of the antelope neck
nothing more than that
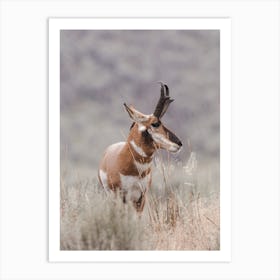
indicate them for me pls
(137, 149)
(138, 153)
(140, 150)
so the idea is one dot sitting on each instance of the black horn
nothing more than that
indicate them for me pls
(163, 102)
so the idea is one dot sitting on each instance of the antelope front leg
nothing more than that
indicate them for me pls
(139, 204)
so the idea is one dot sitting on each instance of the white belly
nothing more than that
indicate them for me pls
(104, 179)
(133, 186)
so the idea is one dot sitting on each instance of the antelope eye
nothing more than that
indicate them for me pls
(157, 124)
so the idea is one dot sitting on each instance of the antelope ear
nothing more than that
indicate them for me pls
(136, 115)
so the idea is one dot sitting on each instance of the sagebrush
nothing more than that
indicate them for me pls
(182, 213)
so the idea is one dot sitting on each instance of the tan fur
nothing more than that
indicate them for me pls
(121, 159)
(125, 165)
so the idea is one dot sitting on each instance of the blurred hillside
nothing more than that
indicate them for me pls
(100, 70)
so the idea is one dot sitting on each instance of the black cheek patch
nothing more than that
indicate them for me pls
(147, 137)
(145, 133)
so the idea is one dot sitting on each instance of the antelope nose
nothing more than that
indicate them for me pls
(180, 143)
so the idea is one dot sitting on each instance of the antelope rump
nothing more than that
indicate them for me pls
(126, 166)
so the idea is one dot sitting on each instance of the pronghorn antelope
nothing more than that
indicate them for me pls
(126, 166)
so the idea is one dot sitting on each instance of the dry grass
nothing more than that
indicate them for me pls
(194, 226)
(177, 216)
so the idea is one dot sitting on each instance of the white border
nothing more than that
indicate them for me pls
(24, 139)
(55, 25)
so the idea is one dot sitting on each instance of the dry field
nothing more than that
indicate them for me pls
(99, 71)
(181, 213)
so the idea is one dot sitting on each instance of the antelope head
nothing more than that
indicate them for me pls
(151, 127)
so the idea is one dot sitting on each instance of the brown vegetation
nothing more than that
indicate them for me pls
(177, 216)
